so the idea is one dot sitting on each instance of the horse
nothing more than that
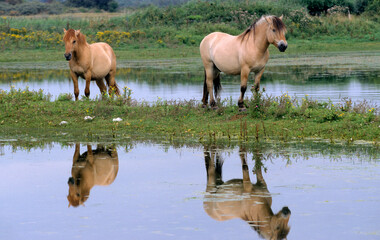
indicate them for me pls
(94, 167)
(240, 55)
(239, 198)
(95, 62)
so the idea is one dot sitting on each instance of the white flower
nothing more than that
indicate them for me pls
(117, 120)
(88, 118)
(62, 123)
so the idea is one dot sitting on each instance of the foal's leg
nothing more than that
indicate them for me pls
(243, 87)
(90, 155)
(87, 76)
(74, 77)
(76, 153)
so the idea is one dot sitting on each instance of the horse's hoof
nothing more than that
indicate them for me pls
(204, 105)
(242, 109)
(215, 108)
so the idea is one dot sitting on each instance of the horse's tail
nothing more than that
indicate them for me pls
(117, 90)
(218, 168)
(217, 85)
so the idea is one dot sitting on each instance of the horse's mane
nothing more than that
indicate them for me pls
(278, 24)
(250, 29)
(81, 39)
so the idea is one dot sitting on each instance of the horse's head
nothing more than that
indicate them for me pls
(77, 193)
(276, 32)
(71, 40)
(276, 228)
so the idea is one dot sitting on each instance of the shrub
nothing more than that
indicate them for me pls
(317, 7)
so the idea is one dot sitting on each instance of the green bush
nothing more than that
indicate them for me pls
(317, 7)
(30, 8)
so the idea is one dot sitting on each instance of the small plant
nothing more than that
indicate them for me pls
(65, 97)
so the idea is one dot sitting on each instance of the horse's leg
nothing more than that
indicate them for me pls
(210, 75)
(258, 164)
(210, 168)
(247, 185)
(112, 86)
(243, 87)
(74, 77)
(87, 77)
(257, 79)
(101, 85)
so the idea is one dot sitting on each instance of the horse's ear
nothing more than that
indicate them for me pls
(77, 32)
(281, 16)
(64, 30)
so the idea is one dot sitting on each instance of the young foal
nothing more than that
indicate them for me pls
(240, 55)
(94, 167)
(90, 61)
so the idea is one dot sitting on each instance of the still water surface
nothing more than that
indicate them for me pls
(157, 191)
(349, 75)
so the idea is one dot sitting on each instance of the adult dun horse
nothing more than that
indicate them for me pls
(239, 198)
(240, 55)
(94, 167)
(95, 62)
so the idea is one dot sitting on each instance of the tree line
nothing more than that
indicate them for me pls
(314, 7)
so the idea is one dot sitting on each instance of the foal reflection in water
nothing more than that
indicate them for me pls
(94, 167)
(239, 198)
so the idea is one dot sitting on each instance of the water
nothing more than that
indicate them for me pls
(321, 77)
(332, 191)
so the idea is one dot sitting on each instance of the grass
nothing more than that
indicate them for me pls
(297, 47)
(31, 114)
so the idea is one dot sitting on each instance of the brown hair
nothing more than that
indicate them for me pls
(71, 33)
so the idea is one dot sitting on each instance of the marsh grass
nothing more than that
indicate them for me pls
(275, 117)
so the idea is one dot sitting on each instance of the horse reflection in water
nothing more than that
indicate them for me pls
(94, 167)
(239, 198)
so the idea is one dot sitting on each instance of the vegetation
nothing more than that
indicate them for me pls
(186, 24)
(108, 5)
(30, 113)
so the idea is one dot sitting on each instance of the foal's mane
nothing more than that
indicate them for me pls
(278, 24)
(81, 39)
